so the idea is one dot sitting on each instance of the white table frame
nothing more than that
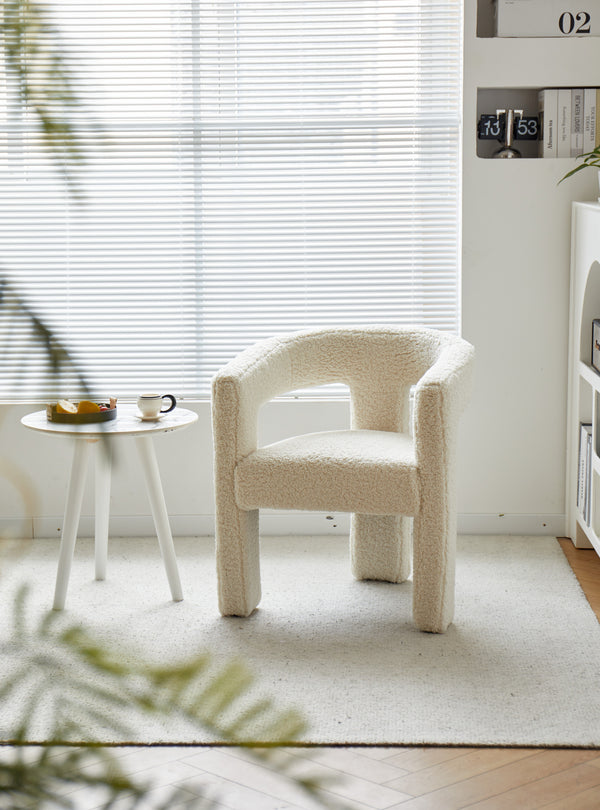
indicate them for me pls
(128, 424)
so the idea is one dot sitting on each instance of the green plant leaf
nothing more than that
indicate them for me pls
(589, 160)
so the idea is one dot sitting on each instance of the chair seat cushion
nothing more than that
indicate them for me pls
(366, 471)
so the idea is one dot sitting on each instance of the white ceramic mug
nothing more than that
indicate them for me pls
(150, 404)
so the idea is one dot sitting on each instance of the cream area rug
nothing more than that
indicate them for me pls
(519, 666)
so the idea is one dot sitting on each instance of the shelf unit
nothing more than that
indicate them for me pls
(509, 72)
(584, 380)
(515, 285)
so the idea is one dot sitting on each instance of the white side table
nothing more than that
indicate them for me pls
(127, 424)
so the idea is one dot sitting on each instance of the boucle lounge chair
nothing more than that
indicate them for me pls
(380, 470)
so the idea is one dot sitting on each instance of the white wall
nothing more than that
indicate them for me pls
(515, 294)
(516, 228)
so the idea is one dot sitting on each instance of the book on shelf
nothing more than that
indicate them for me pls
(548, 115)
(563, 146)
(590, 105)
(568, 121)
(576, 121)
(588, 479)
(584, 473)
(581, 469)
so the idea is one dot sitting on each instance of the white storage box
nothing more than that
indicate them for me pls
(547, 18)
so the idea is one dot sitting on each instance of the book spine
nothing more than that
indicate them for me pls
(584, 475)
(581, 468)
(548, 111)
(563, 144)
(588, 480)
(576, 121)
(589, 119)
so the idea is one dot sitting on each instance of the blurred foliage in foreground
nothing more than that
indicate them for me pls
(63, 681)
(42, 83)
(27, 343)
(54, 675)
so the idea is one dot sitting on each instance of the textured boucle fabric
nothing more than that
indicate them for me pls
(380, 470)
(369, 471)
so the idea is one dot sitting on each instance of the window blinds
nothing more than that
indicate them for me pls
(264, 166)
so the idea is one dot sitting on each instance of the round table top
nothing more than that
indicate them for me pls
(127, 423)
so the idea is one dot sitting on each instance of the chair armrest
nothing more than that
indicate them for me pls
(240, 388)
(441, 395)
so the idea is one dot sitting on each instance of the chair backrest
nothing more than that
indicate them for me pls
(378, 364)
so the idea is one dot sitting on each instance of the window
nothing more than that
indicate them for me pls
(265, 166)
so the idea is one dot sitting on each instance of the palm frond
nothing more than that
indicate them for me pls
(67, 675)
(23, 334)
(75, 683)
(41, 78)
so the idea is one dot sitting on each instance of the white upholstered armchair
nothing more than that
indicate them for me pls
(380, 470)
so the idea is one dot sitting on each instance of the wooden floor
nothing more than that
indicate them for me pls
(369, 778)
(392, 778)
(586, 565)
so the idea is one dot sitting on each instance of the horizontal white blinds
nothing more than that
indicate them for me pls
(265, 167)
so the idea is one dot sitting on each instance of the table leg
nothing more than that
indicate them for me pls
(102, 483)
(159, 513)
(71, 520)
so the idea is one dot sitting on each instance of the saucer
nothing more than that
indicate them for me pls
(149, 418)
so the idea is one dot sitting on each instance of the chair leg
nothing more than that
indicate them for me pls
(380, 547)
(238, 562)
(434, 563)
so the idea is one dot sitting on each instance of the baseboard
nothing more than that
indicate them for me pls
(129, 526)
(271, 522)
(516, 524)
(282, 523)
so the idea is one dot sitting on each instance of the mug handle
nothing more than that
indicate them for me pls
(171, 406)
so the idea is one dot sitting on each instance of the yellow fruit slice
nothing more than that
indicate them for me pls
(85, 406)
(64, 406)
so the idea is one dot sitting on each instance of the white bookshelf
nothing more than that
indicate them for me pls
(584, 380)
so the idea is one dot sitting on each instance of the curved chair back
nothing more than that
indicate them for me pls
(378, 364)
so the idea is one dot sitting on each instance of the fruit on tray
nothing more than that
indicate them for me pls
(64, 406)
(85, 406)
(83, 412)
